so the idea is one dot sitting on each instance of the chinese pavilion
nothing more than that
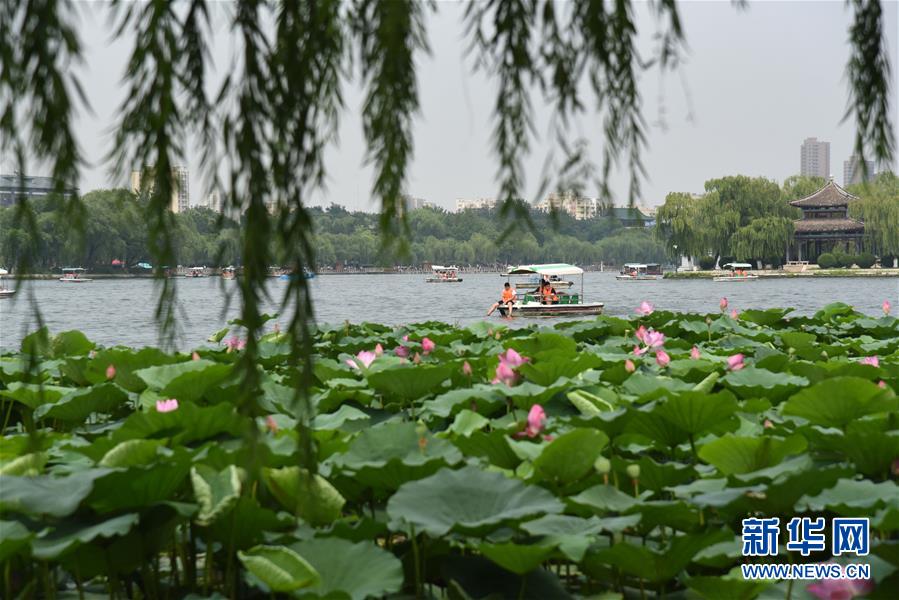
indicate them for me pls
(825, 222)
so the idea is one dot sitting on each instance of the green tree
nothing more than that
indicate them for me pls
(763, 239)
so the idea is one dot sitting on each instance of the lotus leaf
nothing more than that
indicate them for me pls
(310, 497)
(734, 455)
(215, 492)
(279, 568)
(840, 400)
(570, 457)
(359, 571)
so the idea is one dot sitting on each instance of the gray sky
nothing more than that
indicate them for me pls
(756, 82)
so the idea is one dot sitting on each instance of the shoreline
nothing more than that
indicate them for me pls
(780, 274)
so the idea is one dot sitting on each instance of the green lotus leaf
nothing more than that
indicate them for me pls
(14, 537)
(472, 577)
(712, 588)
(487, 398)
(131, 453)
(467, 422)
(347, 418)
(279, 568)
(838, 401)
(766, 317)
(545, 344)
(697, 412)
(656, 565)
(549, 370)
(33, 395)
(605, 498)
(249, 524)
(640, 384)
(312, 498)
(517, 558)
(359, 571)
(734, 454)
(754, 382)
(71, 343)
(78, 405)
(668, 513)
(873, 452)
(27, 464)
(126, 362)
(138, 487)
(409, 382)
(186, 381)
(69, 535)
(653, 475)
(562, 525)
(187, 424)
(850, 497)
(468, 500)
(570, 457)
(215, 491)
(47, 495)
(646, 421)
(493, 445)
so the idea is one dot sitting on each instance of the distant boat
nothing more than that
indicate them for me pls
(228, 273)
(5, 292)
(564, 302)
(640, 272)
(196, 272)
(443, 274)
(738, 272)
(74, 275)
(293, 276)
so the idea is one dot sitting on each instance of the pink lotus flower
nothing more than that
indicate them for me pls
(662, 358)
(365, 358)
(110, 372)
(654, 339)
(882, 384)
(512, 358)
(466, 369)
(629, 366)
(641, 334)
(271, 424)
(887, 307)
(638, 351)
(870, 360)
(645, 309)
(723, 304)
(767, 424)
(427, 346)
(734, 314)
(195, 356)
(505, 374)
(165, 406)
(735, 362)
(841, 589)
(235, 343)
(379, 350)
(536, 421)
(406, 338)
(694, 353)
(401, 351)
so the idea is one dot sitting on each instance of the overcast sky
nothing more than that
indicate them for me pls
(755, 83)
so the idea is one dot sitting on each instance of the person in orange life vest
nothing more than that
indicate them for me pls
(508, 298)
(549, 294)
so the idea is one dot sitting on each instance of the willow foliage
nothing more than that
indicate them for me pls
(270, 125)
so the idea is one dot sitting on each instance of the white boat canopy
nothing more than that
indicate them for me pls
(4, 272)
(553, 269)
(72, 269)
(737, 266)
(634, 266)
(441, 268)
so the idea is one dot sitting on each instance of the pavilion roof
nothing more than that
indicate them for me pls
(830, 195)
(828, 225)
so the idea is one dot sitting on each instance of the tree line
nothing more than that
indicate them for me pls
(115, 229)
(750, 218)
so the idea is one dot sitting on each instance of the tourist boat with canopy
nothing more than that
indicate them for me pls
(74, 275)
(5, 292)
(640, 272)
(228, 272)
(443, 274)
(738, 272)
(196, 272)
(530, 303)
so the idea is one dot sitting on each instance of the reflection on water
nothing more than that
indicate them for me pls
(121, 311)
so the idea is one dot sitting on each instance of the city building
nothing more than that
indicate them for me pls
(825, 222)
(579, 207)
(180, 201)
(815, 158)
(15, 186)
(630, 217)
(213, 201)
(475, 204)
(852, 170)
(416, 203)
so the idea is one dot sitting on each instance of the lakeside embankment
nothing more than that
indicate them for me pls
(780, 274)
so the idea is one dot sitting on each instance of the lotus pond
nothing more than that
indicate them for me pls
(612, 458)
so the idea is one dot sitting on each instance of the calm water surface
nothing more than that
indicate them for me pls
(120, 311)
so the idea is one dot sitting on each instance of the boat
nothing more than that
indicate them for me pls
(738, 272)
(640, 272)
(528, 304)
(307, 274)
(5, 292)
(443, 274)
(196, 272)
(74, 275)
(228, 273)
(555, 280)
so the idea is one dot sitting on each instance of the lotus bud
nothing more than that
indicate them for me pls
(110, 372)
(791, 351)
(497, 336)
(417, 358)
(421, 429)
(824, 355)
(602, 465)
(195, 356)
(633, 471)
(708, 320)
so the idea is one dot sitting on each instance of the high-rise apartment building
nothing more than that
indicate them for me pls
(575, 205)
(180, 201)
(475, 204)
(852, 170)
(815, 158)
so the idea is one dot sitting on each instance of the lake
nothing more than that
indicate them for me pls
(120, 311)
